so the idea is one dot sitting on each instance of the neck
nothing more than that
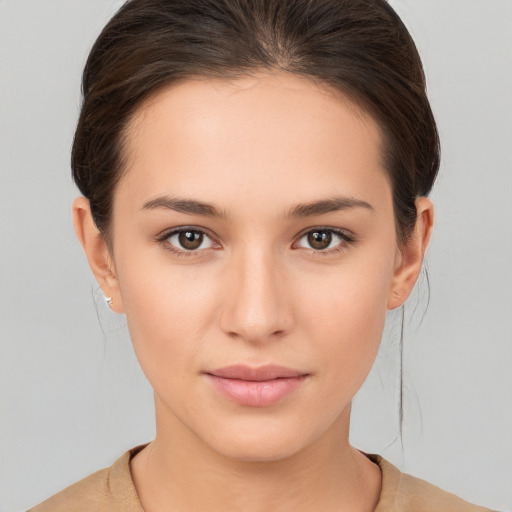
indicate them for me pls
(177, 471)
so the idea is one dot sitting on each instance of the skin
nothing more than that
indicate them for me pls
(255, 292)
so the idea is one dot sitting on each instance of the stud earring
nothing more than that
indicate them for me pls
(108, 300)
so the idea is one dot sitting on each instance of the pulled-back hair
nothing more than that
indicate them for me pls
(358, 47)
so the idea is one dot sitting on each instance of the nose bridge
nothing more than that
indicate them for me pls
(255, 307)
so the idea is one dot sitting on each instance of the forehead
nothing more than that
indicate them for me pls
(260, 134)
(200, 105)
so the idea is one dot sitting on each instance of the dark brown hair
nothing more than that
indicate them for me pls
(358, 47)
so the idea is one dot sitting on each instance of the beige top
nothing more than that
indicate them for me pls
(112, 490)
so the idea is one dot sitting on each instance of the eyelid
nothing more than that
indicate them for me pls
(347, 238)
(165, 235)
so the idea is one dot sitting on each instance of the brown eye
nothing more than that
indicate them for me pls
(319, 239)
(326, 240)
(188, 240)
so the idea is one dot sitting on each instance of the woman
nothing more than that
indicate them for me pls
(255, 177)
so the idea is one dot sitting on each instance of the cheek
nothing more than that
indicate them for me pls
(168, 307)
(346, 319)
(338, 310)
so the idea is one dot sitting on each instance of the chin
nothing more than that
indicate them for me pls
(259, 450)
(262, 441)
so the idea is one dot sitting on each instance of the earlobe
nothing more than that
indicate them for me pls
(97, 252)
(410, 257)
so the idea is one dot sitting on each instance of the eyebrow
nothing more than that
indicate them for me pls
(301, 210)
(323, 206)
(190, 206)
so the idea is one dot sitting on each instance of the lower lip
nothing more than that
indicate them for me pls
(256, 393)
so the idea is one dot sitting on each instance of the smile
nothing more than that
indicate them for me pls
(256, 387)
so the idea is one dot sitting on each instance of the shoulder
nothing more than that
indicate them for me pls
(402, 492)
(87, 494)
(108, 490)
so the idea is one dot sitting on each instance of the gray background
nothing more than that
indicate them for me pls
(72, 396)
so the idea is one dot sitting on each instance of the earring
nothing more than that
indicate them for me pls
(108, 300)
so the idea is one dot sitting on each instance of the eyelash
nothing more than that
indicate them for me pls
(345, 237)
(177, 252)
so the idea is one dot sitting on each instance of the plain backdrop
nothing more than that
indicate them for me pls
(72, 397)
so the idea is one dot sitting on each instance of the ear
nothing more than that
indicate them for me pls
(410, 256)
(97, 252)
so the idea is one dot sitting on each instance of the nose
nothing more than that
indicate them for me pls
(255, 306)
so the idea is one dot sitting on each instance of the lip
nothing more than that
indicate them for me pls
(257, 387)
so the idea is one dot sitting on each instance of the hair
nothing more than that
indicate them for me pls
(358, 47)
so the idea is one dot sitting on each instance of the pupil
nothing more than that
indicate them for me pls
(190, 239)
(320, 239)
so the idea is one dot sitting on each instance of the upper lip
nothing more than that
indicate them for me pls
(261, 373)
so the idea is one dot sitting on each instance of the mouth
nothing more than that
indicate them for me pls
(256, 387)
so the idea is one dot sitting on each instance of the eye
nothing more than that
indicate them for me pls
(187, 240)
(325, 240)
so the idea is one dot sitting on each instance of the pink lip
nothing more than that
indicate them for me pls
(257, 387)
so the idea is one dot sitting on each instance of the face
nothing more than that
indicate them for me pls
(255, 256)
